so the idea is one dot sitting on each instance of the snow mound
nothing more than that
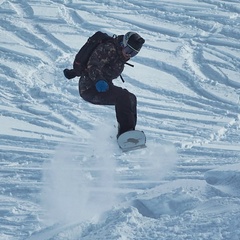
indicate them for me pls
(172, 198)
(225, 179)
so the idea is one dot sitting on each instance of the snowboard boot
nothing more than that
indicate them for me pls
(121, 131)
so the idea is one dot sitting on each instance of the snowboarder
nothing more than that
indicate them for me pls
(105, 64)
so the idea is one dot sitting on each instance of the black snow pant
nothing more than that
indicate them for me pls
(124, 101)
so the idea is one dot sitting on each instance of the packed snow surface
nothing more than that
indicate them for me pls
(62, 175)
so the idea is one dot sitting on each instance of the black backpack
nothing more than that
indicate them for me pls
(82, 57)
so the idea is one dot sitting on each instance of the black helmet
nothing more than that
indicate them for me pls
(133, 40)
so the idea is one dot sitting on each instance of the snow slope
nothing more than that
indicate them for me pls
(62, 175)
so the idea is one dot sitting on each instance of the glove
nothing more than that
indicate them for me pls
(69, 73)
(102, 86)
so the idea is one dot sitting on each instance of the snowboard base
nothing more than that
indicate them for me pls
(132, 140)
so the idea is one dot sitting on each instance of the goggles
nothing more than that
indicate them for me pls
(130, 51)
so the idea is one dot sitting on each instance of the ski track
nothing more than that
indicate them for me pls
(188, 97)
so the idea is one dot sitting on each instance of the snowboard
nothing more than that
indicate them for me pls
(132, 140)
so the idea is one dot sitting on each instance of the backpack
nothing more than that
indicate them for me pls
(82, 57)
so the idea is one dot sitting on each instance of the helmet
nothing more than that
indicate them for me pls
(133, 40)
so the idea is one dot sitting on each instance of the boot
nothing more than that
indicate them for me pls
(120, 131)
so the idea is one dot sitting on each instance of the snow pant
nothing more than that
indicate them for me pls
(125, 104)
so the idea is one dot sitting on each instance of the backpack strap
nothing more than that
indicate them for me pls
(129, 64)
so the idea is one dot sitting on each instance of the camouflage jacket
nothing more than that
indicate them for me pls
(106, 63)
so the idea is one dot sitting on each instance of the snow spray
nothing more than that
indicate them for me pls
(79, 181)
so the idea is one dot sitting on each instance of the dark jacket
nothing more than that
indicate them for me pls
(106, 63)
